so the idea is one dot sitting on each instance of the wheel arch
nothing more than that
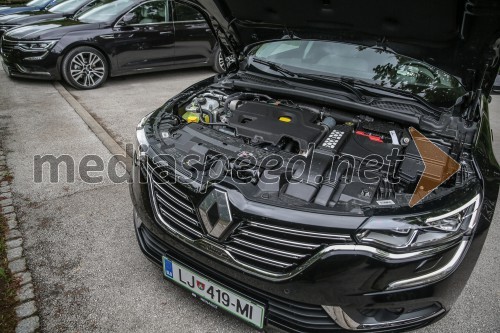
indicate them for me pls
(73, 46)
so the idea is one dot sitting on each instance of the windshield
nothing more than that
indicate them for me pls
(68, 7)
(371, 65)
(37, 3)
(106, 11)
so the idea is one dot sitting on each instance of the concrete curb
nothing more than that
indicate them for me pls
(26, 310)
(106, 139)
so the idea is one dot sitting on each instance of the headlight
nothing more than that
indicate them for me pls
(39, 46)
(141, 142)
(410, 232)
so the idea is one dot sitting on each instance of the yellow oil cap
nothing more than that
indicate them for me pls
(285, 119)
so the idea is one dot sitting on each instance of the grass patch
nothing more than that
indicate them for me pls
(8, 286)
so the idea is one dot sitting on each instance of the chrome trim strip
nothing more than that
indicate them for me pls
(176, 211)
(300, 232)
(435, 275)
(184, 205)
(278, 252)
(256, 257)
(346, 322)
(476, 199)
(278, 240)
(24, 71)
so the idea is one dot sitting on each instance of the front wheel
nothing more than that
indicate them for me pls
(85, 68)
(219, 64)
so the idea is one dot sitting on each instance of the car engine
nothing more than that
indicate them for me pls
(290, 152)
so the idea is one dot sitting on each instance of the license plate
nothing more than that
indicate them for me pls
(219, 296)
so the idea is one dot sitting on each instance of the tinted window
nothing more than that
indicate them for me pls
(53, 3)
(68, 7)
(187, 13)
(37, 3)
(106, 11)
(150, 12)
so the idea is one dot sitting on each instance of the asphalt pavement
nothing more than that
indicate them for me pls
(88, 271)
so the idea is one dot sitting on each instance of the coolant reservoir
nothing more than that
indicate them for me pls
(194, 117)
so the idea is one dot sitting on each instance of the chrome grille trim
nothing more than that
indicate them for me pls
(6, 47)
(314, 234)
(260, 258)
(269, 249)
(178, 212)
(279, 248)
(278, 240)
(173, 198)
(173, 208)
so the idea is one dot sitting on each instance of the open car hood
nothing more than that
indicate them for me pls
(461, 37)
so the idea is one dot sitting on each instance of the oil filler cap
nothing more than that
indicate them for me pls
(285, 119)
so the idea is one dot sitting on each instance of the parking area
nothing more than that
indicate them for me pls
(88, 271)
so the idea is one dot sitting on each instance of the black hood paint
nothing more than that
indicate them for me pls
(30, 17)
(458, 36)
(49, 30)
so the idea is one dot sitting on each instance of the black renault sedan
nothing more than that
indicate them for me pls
(33, 5)
(114, 38)
(67, 8)
(339, 176)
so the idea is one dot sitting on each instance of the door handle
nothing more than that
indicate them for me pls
(166, 32)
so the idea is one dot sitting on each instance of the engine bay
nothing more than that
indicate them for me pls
(290, 152)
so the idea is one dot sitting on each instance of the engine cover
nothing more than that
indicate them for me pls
(270, 123)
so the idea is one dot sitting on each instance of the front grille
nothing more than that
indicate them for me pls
(6, 47)
(285, 314)
(278, 249)
(173, 207)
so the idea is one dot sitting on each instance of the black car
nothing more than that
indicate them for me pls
(117, 37)
(67, 8)
(339, 175)
(33, 5)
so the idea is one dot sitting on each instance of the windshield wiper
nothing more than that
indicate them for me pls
(395, 91)
(275, 67)
(318, 78)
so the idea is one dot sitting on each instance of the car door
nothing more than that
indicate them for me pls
(194, 41)
(144, 38)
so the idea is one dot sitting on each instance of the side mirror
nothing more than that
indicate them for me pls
(129, 18)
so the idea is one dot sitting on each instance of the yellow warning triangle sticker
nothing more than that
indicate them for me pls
(439, 167)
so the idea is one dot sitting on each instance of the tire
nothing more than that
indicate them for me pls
(219, 65)
(85, 67)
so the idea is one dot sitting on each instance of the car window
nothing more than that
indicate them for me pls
(105, 11)
(69, 6)
(54, 3)
(187, 13)
(37, 3)
(89, 6)
(150, 13)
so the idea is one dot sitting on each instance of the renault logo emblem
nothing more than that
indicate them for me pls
(216, 214)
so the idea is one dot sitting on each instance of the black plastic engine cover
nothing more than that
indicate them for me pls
(261, 122)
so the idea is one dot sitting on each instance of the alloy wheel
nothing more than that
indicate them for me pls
(222, 64)
(87, 69)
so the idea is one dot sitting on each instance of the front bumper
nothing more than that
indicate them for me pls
(283, 313)
(349, 286)
(16, 65)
